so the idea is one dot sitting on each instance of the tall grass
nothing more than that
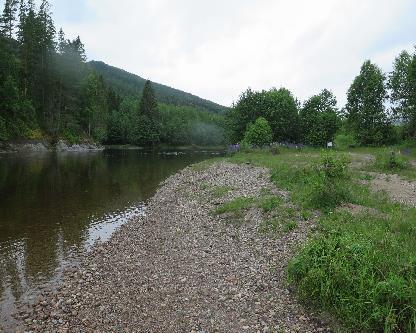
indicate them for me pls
(361, 267)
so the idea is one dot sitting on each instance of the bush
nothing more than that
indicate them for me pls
(259, 134)
(3, 130)
(345, 141)
(328, 182)
(275, 149)
(35, 134)
(391, 161)
(71, 136)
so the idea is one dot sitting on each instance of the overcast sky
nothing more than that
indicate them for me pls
(218, 48)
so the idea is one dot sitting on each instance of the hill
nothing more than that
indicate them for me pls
(130, 85)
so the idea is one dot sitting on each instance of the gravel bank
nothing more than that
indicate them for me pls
(398, 189)
(181, 269)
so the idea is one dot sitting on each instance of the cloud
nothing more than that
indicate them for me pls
(216, 49)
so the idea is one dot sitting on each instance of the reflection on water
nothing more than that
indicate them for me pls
(55, 206)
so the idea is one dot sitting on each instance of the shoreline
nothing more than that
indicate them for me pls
(194, 271)
(43, 146)
(34, 146)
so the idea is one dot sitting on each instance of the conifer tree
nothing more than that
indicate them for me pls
(148, 103)
(8, 19)
(147, 131)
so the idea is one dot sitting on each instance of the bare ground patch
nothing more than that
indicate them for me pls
(397, 189)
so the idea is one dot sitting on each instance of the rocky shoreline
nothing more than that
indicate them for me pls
(45, 146)
(182, 268)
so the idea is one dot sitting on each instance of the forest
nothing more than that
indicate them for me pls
(49, 91)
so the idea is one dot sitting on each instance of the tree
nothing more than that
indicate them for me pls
(365, 111)
(148, 103)
(402, 83)
(278, 107)
(259, 133)
(319, 119)
(282, 114)
(8, 18)
(95, 110)
(148, 125)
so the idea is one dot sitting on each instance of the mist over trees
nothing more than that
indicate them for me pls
(49, 92)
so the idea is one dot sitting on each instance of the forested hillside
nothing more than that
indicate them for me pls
(128, 84)
(49, 92)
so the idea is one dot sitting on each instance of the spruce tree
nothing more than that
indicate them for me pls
(23, 11)
(147, 131)
(8, 19)
(148, 103)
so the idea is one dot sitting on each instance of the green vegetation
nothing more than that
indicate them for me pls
(48, 91)
(235, 208)
(362, 269)
(388, 161)
(220, 191)
(319, 119)
(391, 161)
(259, 133)
(366, 114)
(283, 217)
(344, 141)
(269, 203)
(129, 85)
(360, 266)
(380, 110)
(278, 107)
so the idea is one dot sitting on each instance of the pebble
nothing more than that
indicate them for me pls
(181, 268)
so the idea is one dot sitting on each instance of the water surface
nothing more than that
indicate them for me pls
(53, 207)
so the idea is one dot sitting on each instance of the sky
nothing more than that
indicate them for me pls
(216, 49)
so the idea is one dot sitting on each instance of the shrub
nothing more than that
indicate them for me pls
(345, 141)
(3, 130)
(328, 184)
(275, 149)
(259, 133)
(71, 136)
(391, 161)
(35, 134)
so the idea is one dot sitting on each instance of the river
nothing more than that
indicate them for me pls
(54, 206)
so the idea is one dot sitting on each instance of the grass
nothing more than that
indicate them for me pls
(269, 203)
(393, 162)
(235, 208)
(201, 166)
(220, 191)
(361, 268)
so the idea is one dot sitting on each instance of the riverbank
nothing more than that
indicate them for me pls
(39, 146)
(203, 259)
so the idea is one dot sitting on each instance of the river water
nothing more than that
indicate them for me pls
(54, 206)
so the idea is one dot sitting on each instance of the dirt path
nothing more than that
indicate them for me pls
(180, 269)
